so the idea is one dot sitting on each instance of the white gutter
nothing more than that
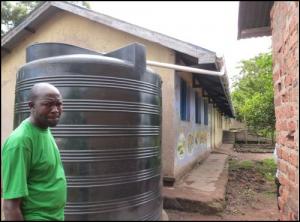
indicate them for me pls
(186, 68)
(193, 70)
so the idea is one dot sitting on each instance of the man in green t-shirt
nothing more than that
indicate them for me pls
(34, 183)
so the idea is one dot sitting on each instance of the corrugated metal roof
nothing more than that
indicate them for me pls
(45, 11)
(254, 19)
(50, 8)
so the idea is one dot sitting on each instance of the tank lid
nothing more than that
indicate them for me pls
(50, 49)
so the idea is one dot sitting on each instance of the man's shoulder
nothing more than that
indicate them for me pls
(19, 137)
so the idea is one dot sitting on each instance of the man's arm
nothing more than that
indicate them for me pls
(12, 209)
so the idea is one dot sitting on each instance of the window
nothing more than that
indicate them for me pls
(197, 108)
(205, 112)
(184, 101)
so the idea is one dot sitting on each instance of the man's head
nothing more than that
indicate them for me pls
(45, 105)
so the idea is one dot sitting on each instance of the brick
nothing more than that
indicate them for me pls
(283, 217)
(277, 101)
(281, 137)
(293, 201)
(281, 202)
(280, 190)
(276, 71)
(278, 109)
(292, 173)
(290, 61)
(292, 216)
(290, 111)
(276, 76)
(279, 152)
(286, 36)
(279, 87)
(294, 72)
(285, 154)
(281, 125)
(294, 158)
(284, 110)
(278, 44)
(289, 91)
(291, 144)
(296, 86)
(292, 6)
(292, 125)
(285, 194)
(283, 168)
(293, 24)
(276, 67)
(293, 188)
(295, 94)
(292, 46)
(288, 80)
(278, 148)
(290, 136)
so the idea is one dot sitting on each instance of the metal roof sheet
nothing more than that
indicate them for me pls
(254, 19)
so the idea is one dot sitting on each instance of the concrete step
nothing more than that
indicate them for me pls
(254, 146)
(203, 189)
(228, 137)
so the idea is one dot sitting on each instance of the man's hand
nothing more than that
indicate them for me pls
(12, 209)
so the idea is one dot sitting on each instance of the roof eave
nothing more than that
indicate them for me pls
(254, 19)
(203, 55)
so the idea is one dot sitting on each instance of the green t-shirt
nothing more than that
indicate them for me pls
(32, 170)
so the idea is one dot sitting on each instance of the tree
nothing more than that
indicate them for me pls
(14, 12)
(253, 95)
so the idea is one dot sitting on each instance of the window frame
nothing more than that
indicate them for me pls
(198, 111)
(184, 101)
(205, 111)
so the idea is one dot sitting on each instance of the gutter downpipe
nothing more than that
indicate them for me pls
(186, 69)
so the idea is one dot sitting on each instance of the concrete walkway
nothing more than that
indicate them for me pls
(203, 189)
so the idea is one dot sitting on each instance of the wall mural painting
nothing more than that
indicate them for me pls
(194, 139)
(202, 137)
(190, 143)
(181, 146)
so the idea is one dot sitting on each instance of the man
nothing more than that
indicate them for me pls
(34, 183)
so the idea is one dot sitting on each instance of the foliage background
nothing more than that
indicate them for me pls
(253, 95)
(14, 12)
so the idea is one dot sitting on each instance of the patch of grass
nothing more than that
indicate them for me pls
(235, 165)
(267, 168)
(270, 193)
(246, 164)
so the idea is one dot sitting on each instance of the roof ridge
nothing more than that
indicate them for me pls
(203, 55)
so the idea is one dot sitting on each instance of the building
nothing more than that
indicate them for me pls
(281, 20)
(196, 108)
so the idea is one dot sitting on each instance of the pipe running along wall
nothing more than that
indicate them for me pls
(186, 69)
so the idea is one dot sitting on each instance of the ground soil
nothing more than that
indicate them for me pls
(249, 197)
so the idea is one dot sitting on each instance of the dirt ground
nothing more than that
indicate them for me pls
(249, 197)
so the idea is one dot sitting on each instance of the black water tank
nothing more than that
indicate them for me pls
(109, 134)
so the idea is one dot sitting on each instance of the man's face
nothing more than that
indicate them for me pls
(46, 109)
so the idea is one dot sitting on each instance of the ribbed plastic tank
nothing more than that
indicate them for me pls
(109, 134)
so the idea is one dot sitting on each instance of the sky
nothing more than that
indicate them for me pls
(210, 25)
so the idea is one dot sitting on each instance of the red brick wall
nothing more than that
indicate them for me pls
(285, 40)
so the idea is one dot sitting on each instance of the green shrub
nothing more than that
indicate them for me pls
(267, 168)
(247, 164)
